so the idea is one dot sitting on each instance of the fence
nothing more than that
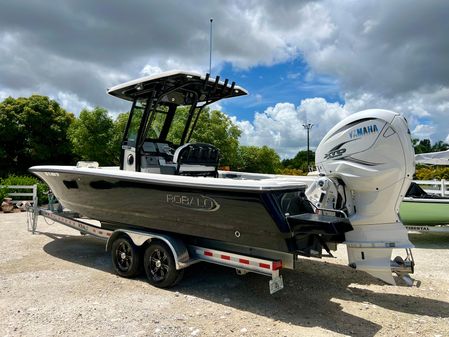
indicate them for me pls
(439, 187)
(30, 194)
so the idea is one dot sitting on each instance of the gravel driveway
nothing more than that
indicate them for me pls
(58, 282)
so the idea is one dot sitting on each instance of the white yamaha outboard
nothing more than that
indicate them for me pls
(366, 164)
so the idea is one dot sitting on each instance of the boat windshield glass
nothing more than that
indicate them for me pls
(134, 123)
(167, 124)
(154, 128)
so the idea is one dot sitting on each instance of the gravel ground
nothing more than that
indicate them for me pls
(58, 282)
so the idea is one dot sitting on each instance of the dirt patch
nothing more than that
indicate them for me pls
(58, 282)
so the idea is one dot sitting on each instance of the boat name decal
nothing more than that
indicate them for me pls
(196, 203)
(366, 130)
(51, 174)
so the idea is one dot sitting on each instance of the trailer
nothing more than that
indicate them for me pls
(162, 257)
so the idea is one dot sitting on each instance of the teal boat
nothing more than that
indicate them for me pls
(421, 208)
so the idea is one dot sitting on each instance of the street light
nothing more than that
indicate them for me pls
(308, 126)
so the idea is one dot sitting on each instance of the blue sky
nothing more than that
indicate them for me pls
(300, 60)
(290, 81)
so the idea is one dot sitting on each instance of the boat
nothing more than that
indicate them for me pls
(420, 208)
(427, 210)
(169, 185)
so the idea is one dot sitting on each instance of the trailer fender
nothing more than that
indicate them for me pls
(178, 248)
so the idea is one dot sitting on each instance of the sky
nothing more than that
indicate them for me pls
(301, 61)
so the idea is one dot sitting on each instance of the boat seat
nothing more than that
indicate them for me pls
(197, 159)
(157, 157)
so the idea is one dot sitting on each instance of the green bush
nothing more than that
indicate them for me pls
(291, 171)
(431, 173)
(24, 180)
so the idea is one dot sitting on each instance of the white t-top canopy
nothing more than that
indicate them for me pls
(207, 88)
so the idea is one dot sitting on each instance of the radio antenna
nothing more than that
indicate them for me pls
(210, 46)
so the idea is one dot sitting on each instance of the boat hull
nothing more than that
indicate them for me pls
(248, 218)
(417, 211)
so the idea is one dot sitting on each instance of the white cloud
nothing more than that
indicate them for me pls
(149, 70)
(426, 110)
(384, 47)
(423, 131)
(216, 106)
(281, 126)
(3, 95)
(293, 76)
(166, 64)
(72, 102)
(382, 54)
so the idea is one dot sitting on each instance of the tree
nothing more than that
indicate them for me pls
(258, 159)
(425, 146)
(422, 146)
(213, 127)
(92, 136)
(440, 146)
(33, 131)
(216, 128)
(299, 161)
(117, 137)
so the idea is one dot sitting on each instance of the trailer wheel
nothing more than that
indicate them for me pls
(125, 257)
(160, 266)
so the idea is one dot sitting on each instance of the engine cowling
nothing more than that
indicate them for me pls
(372, 154)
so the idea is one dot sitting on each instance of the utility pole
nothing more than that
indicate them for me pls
(210, 46)
(308, 126)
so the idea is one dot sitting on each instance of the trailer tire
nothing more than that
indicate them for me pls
(160, 266)
(126, 257)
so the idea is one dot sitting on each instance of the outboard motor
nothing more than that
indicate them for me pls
(366, 163)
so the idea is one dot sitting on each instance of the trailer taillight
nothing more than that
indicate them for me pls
(277, 265)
